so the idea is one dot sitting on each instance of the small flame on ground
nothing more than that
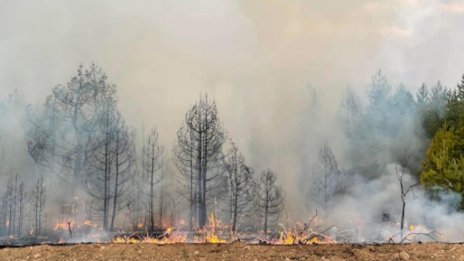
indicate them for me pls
(211, 236)
(303, 236)
(64, 225)
(170, 236)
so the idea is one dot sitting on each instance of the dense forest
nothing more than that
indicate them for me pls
(74, 162)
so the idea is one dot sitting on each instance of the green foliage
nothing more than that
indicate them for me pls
(443, 168)
(455, 105)
(431, 105)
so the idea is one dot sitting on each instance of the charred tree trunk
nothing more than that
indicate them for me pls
(266, 214)
(152, 156)
(269, 198)
(152, 201)
(403, 209)
(39, 201)
(115, 197)
(198, 151)
(192, 203)
(21, 202)
(404, 192)
(161, 208)
(235, 211)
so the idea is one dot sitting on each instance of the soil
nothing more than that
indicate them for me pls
(235, 251)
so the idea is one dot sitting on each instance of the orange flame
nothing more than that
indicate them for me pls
(170, 236)
(64, 225)
(304, 236)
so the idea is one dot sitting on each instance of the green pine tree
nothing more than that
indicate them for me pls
(443, 169)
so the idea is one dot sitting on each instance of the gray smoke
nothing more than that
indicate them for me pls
(277, 69)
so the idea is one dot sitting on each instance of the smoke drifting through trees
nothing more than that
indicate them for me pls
(327, 178)
(82, 146)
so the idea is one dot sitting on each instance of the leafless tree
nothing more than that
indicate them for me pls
(404, 190)
(112, 163)
(269, 198)
(61, 136)
(401, 169)
(11, 192)
(13, 207)
(100, 168)
(124, 163)
(185, 160)
(161, 205)
(21, 201)
(199, 155)
(38, 199)
(12, 201)
(241, 185)
(326, 176)
(152, 153)
(5, 209)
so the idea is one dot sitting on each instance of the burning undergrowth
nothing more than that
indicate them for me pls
(313, 232)
(102, 184)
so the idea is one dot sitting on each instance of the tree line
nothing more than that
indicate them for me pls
(80, 140)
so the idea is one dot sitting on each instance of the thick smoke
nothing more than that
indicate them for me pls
(278, 71)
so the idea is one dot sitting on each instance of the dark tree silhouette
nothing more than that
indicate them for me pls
(326, 176)
(38, 199)
(152, 154)
(199, 155)
(60, 137)
(269, 198)
(241, 185)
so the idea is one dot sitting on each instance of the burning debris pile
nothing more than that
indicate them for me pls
(304, 234)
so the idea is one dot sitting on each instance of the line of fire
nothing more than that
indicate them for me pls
(392, 178)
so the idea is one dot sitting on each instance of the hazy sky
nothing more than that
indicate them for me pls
(256, 58)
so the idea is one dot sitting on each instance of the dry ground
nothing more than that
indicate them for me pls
(235, 251)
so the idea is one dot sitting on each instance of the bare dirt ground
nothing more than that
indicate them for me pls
(235, 251)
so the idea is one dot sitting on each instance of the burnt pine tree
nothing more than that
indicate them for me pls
(60, 137)
(241, 185)
(38, 203)
(11, 191)
(269, 198)
(124, 165)
(326, 176)
(164, 195)
(199, 156)
(111, 164)
(184, 161)
(21, 201)
(100, 169)
(152, 154)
